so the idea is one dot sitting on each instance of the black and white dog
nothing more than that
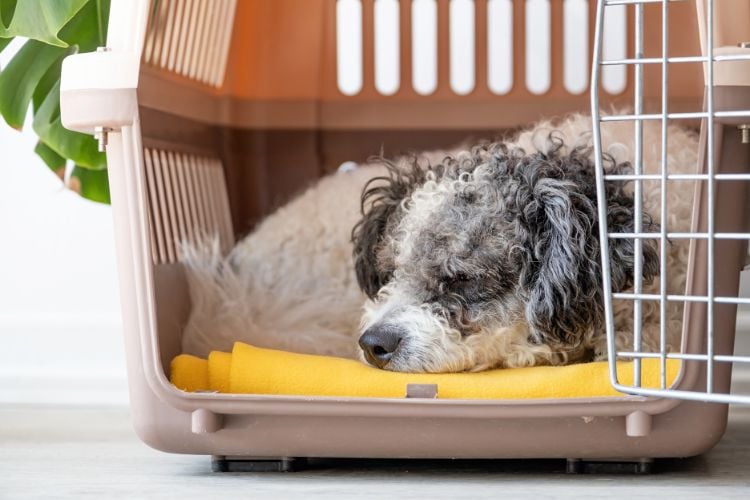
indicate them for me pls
(465, 260)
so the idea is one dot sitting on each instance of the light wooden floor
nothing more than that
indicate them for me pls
(93, 453)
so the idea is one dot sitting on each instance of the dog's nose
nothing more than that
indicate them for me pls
(379, 342)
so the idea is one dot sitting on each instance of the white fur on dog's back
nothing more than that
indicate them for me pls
(288, 285)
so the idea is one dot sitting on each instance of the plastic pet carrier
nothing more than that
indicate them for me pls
(213, 112)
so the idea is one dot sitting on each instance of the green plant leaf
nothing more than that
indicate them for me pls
(83, 30)
(54, 161)
(81, 148)
(55, 28)
(21, 77)
(7, 8)
(39, 20)
(47, 82)
(91, 184)
(102, 19)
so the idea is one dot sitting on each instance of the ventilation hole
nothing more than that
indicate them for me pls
(175, 38)
(182, 44)
(226, 40)
(424, 46)
(157, 234)
(614, 78)
(387, 60)
(187, 200)
(500, 46)
(576, 46)
(349, 46)
(538, 25)
(191, 38)
(462, 46)
(163, 210)
(197, 39)
(168, 30)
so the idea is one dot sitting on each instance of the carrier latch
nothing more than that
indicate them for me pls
(421, 391)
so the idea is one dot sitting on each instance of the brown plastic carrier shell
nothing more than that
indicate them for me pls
(188, 151)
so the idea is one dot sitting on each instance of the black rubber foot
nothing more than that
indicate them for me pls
(577, 466)
(236, 464)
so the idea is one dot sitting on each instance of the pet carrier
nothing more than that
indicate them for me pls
(212, 111)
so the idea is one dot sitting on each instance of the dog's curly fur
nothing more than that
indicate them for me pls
(480, 258)
(491, 240)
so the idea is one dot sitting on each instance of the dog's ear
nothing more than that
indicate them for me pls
(381, 206)
(621, 219)
(561, 266)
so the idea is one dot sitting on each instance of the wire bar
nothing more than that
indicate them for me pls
(601, 192)
(638, 194)
(684, 357)
(674, 60)
(664, 200)
(710, 288)
(676, 177)
(680, 236)
(682, 394)
(696, 115)
(637, 2)
(680, 298)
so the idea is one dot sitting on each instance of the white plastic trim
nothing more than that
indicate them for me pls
(127, 25)
(100, 70)
(99, 90)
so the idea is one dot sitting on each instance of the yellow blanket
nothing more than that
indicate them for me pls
(252, 370)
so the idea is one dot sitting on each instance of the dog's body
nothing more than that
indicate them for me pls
(489, 259)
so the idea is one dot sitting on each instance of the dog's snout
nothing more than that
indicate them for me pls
(379, 342)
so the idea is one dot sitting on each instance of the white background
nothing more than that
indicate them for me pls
(59, 303)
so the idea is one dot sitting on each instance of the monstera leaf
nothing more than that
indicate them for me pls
(54, 29)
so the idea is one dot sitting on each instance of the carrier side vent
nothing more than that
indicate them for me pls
(187, 200)
(191, 38)
(552, 29)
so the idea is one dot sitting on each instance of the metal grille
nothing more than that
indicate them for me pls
(187, 200)
(191, 38)
(706, 239)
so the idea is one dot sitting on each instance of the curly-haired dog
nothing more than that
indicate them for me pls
(464, 260)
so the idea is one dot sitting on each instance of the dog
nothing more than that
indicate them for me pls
(481, 257)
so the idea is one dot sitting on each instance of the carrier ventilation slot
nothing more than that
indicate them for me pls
(187, 201)
(465, 17)
(191, 38)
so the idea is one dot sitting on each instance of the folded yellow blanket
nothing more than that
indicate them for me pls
(252, 370)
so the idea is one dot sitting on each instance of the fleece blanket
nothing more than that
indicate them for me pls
(252, 370)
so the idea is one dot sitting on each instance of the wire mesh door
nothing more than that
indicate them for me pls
(715, 240)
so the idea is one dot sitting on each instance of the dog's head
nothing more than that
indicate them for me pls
(489, 259)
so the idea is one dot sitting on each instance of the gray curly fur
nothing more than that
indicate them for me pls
(515, 225)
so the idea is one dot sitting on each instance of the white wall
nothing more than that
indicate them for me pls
(59, 306)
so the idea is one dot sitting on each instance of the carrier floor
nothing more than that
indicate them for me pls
(72, 452)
